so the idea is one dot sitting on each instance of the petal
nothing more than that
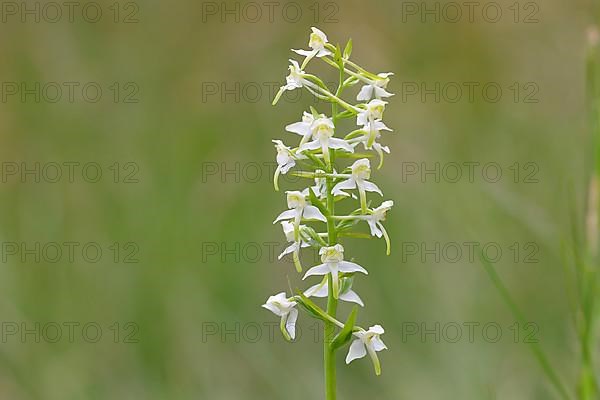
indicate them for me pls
(351, 297)
(380, 126)
(347, 184)
(290, 323)
(375, 231)
(282, 158)
(288, 214)
(291, 85)
(312, 212)
(370, 187)
(295, 64)
(323, 53)
(381, 92)
(378, 344)
(290, 249)
(357, 350)
(361, 119)
(365, 93)
(320, 33)
(335, 143)
(305, 53)
(301, 128)
(347, 266)
(319, 290)
(321, 269)
(378, 329)
(314, 145)
(272, 308)
(286, 167)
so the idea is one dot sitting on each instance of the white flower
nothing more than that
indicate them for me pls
(281, 306)
(370, 133)
(333, 263)
(298, 209)
(322, 130)
(320, 188)
(367, 342)
(373, 131)
(302, 128)
(373, 111)
(374, 220)
(361, 172)
(322, 290)
(317, 43)
(294, 80)
(285, 159)
(289, 232)
(375, 88)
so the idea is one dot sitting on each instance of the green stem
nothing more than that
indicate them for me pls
(329, 332)
(328, 352)
(332, 302)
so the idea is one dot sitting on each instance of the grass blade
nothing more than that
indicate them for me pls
(534, 347)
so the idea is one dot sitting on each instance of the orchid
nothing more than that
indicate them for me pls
(373, 219)
(281, 306)
(322, 131)
(295, 80)
(367, 342)
(375, 88)
(302, 128)
(285, 158)
(368, 136)
(373, 111)
(346, 293)
(333, 263)
(317, 43)
(361, 172)
(378, 215)
(298, 209)
(311, 220)
(320, 187)
(285, 161)
(289, 232)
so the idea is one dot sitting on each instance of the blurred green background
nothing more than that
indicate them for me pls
(185, 110)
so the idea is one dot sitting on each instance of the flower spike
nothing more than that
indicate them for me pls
(310, 221)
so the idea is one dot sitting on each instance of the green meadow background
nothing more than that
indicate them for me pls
(182, 211)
